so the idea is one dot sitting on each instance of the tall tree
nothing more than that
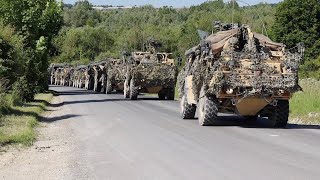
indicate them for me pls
(81, 14)
(37, 21)
(299, 21)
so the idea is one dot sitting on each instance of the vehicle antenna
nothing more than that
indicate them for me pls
(232, 13)
(263, 24)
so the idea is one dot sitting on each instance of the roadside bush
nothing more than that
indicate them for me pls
(22, 91)
(4, 103)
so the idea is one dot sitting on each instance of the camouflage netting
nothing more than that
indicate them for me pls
(156, 74)
(117, 73)
(195, 68)
(238, 58)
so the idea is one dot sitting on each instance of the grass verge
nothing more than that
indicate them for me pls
(305, 106)
(18, 125)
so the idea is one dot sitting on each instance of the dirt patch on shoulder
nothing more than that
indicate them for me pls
(52, 155)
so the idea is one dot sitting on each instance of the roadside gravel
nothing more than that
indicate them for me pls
(51, 157)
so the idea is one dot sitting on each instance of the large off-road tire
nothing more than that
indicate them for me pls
(133, 90)
(208, 109)
(280, 114)
(126, 89)
(91, 84)
(188, 111)
(251, 119)
(170, 94)
(95, 85)
(99, 87)
(162, 95)
(108, 86)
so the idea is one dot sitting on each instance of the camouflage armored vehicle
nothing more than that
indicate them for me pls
(239, 71)
(151, 73)
(70, 76)
(54, 71)
(65, 75)
(80, 76)
(96, 76)
(58, 75)
(115, 75)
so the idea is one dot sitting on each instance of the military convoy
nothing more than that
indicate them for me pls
(232, 71)
(138, 72)
(239, 71)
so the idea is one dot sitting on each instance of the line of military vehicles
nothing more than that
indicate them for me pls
(233, 71)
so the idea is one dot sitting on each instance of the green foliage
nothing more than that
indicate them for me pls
(33, 18)
(129, 29)
(19, 122)
(11, 54)
(4, 102)
(22, 91)
(83, 43)
(305, 105)
(81, 15)
(26, 31)
(299, 21)
(311, 69)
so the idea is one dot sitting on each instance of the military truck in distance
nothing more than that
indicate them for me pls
(80, 76)
(239, 71)
(150, 72)
(115, 75)
(98, 76)
(55, 73)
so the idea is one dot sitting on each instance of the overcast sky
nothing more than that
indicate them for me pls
(159, 3)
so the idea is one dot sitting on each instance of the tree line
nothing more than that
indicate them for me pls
(27, 30)
(90, 35)
(34, 33)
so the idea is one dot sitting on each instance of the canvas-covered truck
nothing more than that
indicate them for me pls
(150, 72)
(241, 72)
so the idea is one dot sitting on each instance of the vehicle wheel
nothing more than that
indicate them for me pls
(133, 90)
(251, 119)
(91, 84)
(99, 87)
(188, 111)
(280, 114)
(162, 95)
(108, 86)
(170, 94)
(126, 89)
(95, 86)
(208, 109)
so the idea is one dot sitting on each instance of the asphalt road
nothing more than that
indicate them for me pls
(146, 139)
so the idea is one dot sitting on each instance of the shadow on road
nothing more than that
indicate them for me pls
(49, 104)
(37, 106)
(76, 93)
(58, 118)
(260, 123)
(85, 92)
(301, 126)
(112, 100)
